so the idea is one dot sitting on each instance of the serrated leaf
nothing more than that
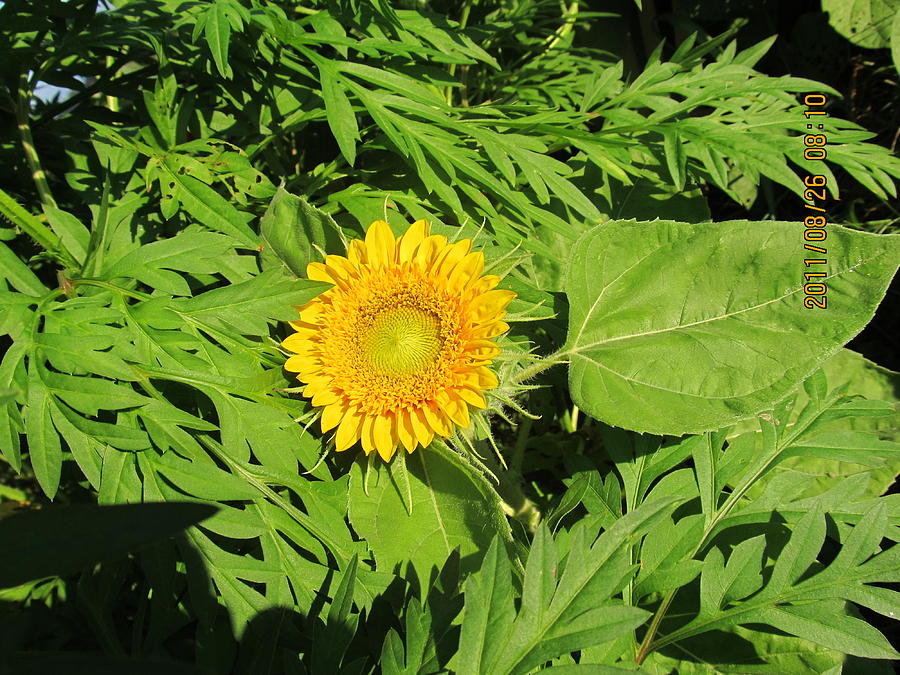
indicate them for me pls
(18, 274)
(192, 251)
(211, 209)
(92, 394)
(488, 621)
(339, 112)
(44, 449)
(247, 307)
(217, 31)
(575, 612)
(805, 601)
(77, 354)
(203, 480)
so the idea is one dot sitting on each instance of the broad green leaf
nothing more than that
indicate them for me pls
(866, 23)
(742, 651)
(678, 328)
(291, 229)
(861, 377)
(61, 540)
(895, 40)
(451, 507)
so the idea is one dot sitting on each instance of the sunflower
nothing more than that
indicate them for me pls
(399, 348)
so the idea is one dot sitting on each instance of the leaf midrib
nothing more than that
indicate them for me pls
(579, 349)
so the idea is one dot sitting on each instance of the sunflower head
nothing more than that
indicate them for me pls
(399, 348)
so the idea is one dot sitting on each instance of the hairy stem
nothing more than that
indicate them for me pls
(542, 365)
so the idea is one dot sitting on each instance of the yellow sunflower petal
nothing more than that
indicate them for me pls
(405, 431)
(450, 257)
(410, 241)
(366, 436)
(385, 436)
(349, 430)
(472, 397)
(380, 244)
(341, 265)
(325, 397)
(297, 364)
(429, 249)
(457, 410)
(305, 329)
(332, 416)
(491, 304)
(490, 330)
(483, 285)
(486, 379)
(319, 272)
(296, 343)
(356, 252)
(422, 429)
(436, 420)
(465, 271)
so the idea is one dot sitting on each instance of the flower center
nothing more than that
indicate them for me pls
(403, 341)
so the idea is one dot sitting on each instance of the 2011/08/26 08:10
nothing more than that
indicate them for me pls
(815, 224)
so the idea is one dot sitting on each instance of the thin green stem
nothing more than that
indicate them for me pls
(569, 18)
(463, 20)
(111, 101)
(542, 365)
(23, 105)
(515, 461)
(137, 295)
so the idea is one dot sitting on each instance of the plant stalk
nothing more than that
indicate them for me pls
(23, 104)
(463, 20)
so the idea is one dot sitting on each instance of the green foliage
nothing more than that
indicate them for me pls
(156, 229)
(733, 338)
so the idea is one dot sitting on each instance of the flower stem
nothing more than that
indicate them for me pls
(463, 20)
(569, 17)
(542, 365)
(23, 104)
